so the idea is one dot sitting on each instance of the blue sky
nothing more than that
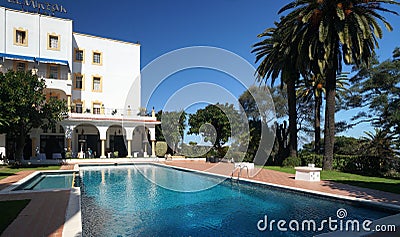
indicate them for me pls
(165, 25)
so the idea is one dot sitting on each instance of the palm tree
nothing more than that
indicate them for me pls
(312, 88)
(329, 32)
(278, 58)
(381, 146)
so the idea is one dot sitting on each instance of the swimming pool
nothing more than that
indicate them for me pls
(48, 180)
(120, 201)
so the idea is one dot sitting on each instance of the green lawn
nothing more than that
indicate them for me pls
(6, 171)
(383, 184)
(9, 211)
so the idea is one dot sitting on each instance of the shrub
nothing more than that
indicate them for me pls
(311, 158)
(161, 149)
(291, 162)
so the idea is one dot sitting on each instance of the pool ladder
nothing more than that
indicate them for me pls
(240, 167)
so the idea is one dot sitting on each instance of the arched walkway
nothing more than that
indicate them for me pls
(86, 143)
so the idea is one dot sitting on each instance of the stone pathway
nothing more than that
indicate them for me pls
(43, 216)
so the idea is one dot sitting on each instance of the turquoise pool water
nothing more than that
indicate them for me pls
(120, 201)
(48, 181)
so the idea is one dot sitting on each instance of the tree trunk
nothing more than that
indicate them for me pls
(291, 91)
(19, 148)
(317, 124)
(329, 135)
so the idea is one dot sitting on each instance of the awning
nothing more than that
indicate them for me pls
(17, 57)
(54, 61)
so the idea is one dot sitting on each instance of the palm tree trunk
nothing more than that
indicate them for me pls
(329, 135)
(317, 124)
(291, 91)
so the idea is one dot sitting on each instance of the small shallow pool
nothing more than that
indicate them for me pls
(53, 180)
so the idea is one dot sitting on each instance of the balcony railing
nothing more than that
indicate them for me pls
(116, 113)
(62, 76)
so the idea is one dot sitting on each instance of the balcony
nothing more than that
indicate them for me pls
(62, 83)
(110, 114)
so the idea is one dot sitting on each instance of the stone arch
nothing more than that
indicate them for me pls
(86, 137)
(116, 141)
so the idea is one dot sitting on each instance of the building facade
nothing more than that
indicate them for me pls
(92, 74)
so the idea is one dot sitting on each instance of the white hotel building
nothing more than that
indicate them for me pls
(92, 74)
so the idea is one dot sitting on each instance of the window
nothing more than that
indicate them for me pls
(78, 108)
(20, 37)
(96, 84)
(79, 55)
(97, 58)
(53, 71)
(53, 129)
(78, 82)
(20, 66)
(53, 42)
(96, 108)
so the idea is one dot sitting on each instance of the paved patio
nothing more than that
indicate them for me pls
(45, 214)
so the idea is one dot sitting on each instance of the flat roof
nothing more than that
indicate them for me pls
(66, 19)
(105, 38)
(34, 13)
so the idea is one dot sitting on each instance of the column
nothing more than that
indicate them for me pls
(153, 148)
(103, 148)
(145, 149)
(153, 141)
(103, 138)
(129, 138)
(33, 146)
(35, 137)
(69, 103)
(69, 129)
(129, 148)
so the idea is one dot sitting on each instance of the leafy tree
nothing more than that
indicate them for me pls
(343, 146)
(377, 91)
(216, 124)
(172, 128)
(327, 32)
(23, 104)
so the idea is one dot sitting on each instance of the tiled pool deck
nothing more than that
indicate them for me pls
(45, 214)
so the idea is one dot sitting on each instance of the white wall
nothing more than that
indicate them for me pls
(120, 67)
(38, 28)
(2, 28)
(61, 27)
(27, 22)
